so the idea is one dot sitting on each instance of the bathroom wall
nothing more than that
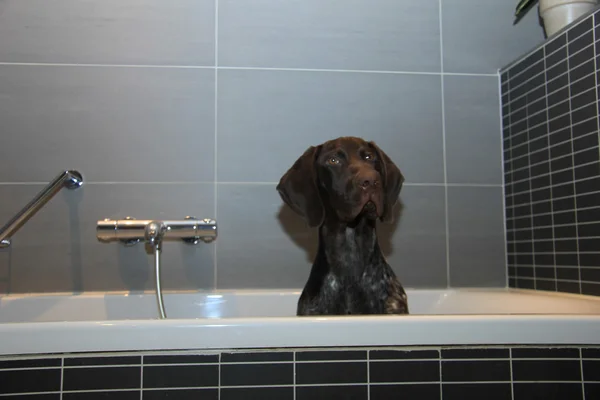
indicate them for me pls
(197, 107)
(552, 163)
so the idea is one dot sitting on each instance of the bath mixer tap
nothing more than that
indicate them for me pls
(131, 231)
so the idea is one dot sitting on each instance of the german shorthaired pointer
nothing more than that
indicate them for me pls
(343, 186)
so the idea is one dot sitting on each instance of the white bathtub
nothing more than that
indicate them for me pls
(266, 319)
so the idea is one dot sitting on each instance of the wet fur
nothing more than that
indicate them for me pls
(350, 274)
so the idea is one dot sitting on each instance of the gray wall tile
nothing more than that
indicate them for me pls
(479, 35)
(115, 124)
(175, 32)
(477, 246)
(57, 250)
(340, 34)
(272, 247)
(473, 145)
(273, 116)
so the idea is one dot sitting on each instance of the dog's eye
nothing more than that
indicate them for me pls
(333, 160)
(368, 156)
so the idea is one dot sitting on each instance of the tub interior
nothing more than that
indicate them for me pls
(276, 304)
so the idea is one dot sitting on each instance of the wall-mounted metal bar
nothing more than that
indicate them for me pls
(68, 179)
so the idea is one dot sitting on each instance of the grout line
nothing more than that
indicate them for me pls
(368, 374)
(512, 389)
(215, 151)
(441, 377)
(573, 162)
(444, 155)
(530, 192)
(581, 369)
(576, 167)
(62, 376)
(294, 372)
(219, 377)
(502, 161)
(142, 377)
(216, 66)
(435, 184)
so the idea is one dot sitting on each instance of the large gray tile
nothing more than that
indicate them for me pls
(473, 143)
(57, 250)
(415, 244)
(339, 34)
(271, 247)
(477, 247)
(114, 124)
(175, 32)
(267, 119)
(479, 35)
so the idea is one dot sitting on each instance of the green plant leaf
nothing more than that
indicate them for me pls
(523, 5)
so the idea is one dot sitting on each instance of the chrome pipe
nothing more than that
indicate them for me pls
(69, 179)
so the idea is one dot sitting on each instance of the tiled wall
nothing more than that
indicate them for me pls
(451, 373)
(197, 107)
(552, 163)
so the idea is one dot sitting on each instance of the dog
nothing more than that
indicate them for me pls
(343, 186)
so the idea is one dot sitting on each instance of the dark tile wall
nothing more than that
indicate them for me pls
(451, 373)
(552, 163)
(197, 107)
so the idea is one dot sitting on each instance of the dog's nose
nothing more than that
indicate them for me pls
(368, 179)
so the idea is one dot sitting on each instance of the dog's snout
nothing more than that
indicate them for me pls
(368, 179)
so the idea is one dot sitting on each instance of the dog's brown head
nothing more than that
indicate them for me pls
(343, 177)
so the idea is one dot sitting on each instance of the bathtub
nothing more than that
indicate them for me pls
(66, 323)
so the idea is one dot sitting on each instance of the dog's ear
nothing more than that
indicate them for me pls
(392, 183)
(298, 188)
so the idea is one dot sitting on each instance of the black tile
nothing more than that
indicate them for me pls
(33, 380)
(512, 283)
(257, 374)
(254, 357)
(581, 42)
(584, 114)
(52, 396)
(517, 104)
(525, 272)
(588, 244)
(342, 372)
(542, 208)
(545, 246)
(566, 259)
(31, 363)
(590, 259)
(540, 131)
(556, 56)
(260, 393)
(542, 182)
(404, 371)
(545, 273)
(567, 287)
(581, 57)
(587, 171)
(546, 370)
(582, 27)
(590, 275)
(101, 378)
(587, 186)
(124, 360)
(545, 285)
(565, 231)
(563, 162)
(563, 246)
(561, 218)
(583, 129)
(403, 354)
(181, 359)
(331, 355)
(563, 176)
(189, 376)
(544, 259)
(590, 352)
(524, 259)
(560, 67)
(458, 353)
(545, 352)
(473, 371)
(524, 283)
(592, 289)
(592, 391)
(332, 392)
(519, 115)
(538, 106)
(112, 395)
(558, 90)
(406, 391)
(582, 85)
(587, 156)
(569, 274)
(589, 230)
(591, 370)
(560, 137)
(492, 391)
(523, 79)
(559, 123)
(182, 394)
(587, 98)
(547, 391)
(556, 43)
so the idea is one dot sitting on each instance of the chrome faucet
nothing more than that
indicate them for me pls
(130, 231)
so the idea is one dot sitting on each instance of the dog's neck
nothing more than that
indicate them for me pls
(348, 248)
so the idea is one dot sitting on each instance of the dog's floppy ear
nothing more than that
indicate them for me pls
(392, 183)
(298, 188)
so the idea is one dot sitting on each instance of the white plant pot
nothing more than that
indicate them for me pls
(559, 13)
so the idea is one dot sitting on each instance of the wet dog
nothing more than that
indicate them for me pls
(343, 186)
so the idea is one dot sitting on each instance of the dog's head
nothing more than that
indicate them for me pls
(342, 178)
